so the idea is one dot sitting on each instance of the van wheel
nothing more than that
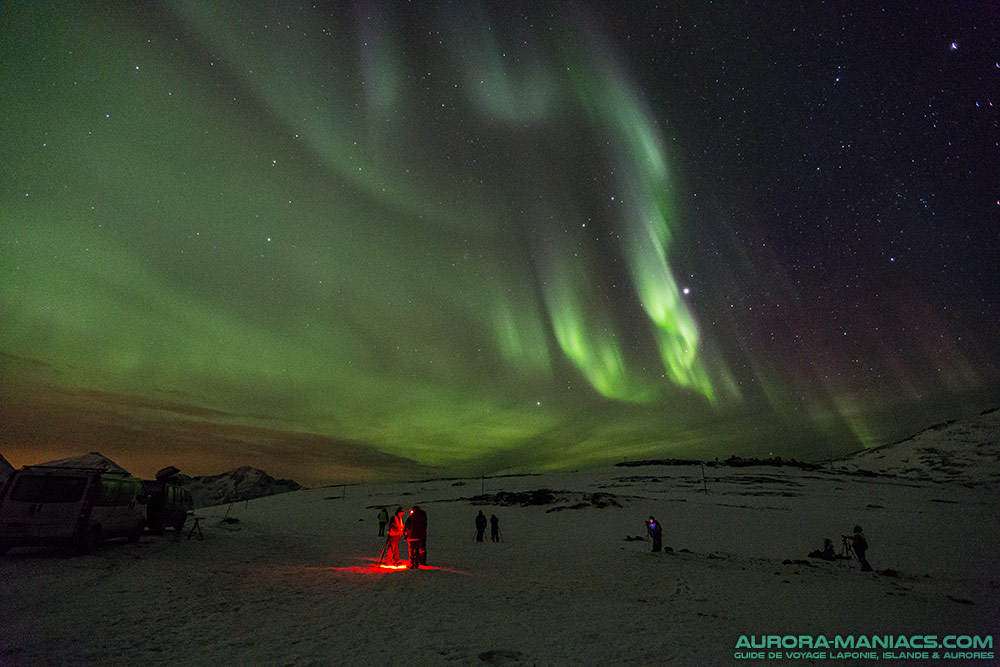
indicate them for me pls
(133, 537)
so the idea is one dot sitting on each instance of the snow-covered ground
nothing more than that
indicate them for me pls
(289, 579)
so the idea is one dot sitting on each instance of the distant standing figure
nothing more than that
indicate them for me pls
(395, 532)
(494, 528)
(480, 526)
(860, 546)
(383, 518)
(655, 531)
(416, 537)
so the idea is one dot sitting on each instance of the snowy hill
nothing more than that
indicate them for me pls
(965, 451)
(91, 460)
(237, 485)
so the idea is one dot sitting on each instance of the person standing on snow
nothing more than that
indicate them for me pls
(494, 528)
(415, 531)
(395, 532)
(383, 518)
(860, 545)
(655, 531)
(480, 526)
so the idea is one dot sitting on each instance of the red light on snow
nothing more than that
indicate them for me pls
(375, 569)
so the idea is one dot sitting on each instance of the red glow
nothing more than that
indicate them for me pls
(387, 566)
(374, 568)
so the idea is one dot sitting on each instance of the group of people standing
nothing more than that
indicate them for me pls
(481, 527)
(413, 529)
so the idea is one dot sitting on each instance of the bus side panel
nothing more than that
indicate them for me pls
(39, 515)
(117, 510)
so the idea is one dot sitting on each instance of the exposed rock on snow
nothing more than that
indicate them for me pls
(522, 498)
(732, 462)
(244, 483)
(547, 497)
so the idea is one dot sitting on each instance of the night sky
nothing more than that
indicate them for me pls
(357, 241)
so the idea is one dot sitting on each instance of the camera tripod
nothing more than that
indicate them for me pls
(381, 555)
(847, 549)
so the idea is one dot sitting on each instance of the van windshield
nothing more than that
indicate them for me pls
(48, 488)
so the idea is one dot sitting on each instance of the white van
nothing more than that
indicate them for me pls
(55, 505)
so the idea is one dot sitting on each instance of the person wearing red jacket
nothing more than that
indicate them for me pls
(395, 532)
(415, 531)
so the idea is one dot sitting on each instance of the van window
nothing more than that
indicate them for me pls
(130, 489)
(48, 489)
(117, 491)
(109, 492)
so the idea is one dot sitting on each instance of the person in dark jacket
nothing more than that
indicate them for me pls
(383, 518)
(415, 531)
(494, 528)
(480, 526)
(860, 545)
(655, 531)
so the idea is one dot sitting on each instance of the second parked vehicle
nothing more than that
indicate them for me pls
(167, 504)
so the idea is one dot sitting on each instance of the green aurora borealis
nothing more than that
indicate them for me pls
(365, 240)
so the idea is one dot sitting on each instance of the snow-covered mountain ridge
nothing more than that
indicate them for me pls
(243, 483)
(965, 451)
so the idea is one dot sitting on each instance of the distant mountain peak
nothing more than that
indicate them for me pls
(237, 485)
